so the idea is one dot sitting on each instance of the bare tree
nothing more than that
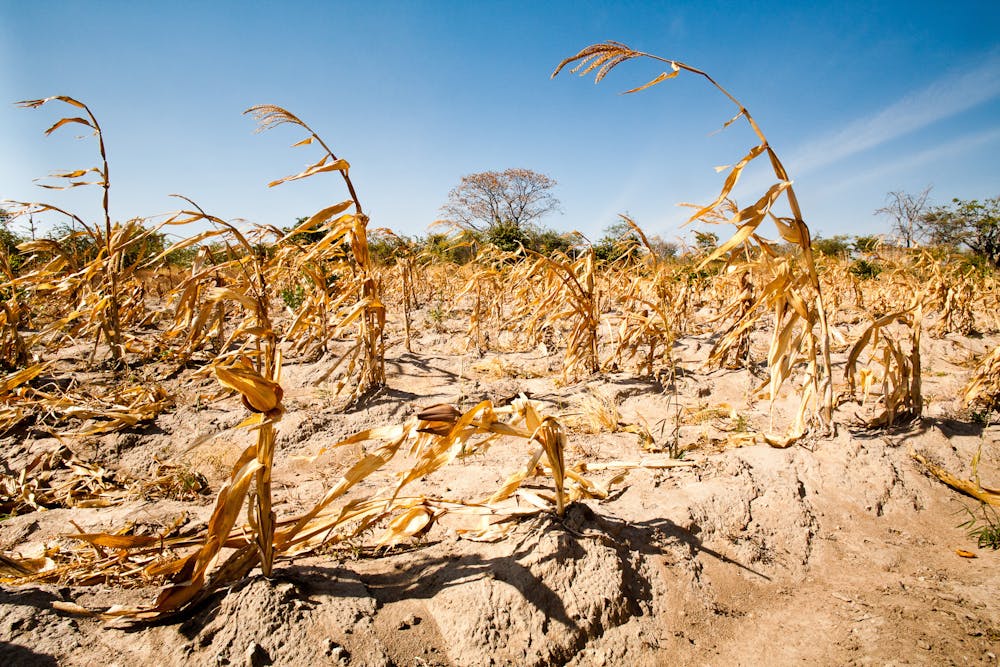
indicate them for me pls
(513, 196)
(905, 212)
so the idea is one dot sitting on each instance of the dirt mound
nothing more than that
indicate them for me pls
(534, 599)
(301, 617)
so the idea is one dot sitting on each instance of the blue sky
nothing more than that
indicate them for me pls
(858, 99)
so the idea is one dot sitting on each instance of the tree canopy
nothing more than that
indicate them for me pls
(973, 223)
(515, 197)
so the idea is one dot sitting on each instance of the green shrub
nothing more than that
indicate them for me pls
(867, 244)
(547, 241)
(865, 270)
(837, 246)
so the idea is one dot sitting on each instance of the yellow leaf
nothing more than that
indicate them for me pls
(660, 79)
(220, 293)
(71, 174)
(413, 522)
(117, 541)
(9, 382)
(748, 220)
(259, 393)
(66, 121)
(318, 168)
(327, 213)
(185, 243)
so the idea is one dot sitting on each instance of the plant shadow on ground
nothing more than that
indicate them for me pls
(956, 427)
(28, 597)
(437, 566)
(39, 599)
(14, 655)
(397, 373)
(427, 572)
(393, 402)
(917, 428)
(949, 427)
(422, 364)
(627, 386)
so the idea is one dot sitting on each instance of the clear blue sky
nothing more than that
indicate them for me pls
(857, 98)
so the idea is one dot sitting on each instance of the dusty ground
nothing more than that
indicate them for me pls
(840, 550)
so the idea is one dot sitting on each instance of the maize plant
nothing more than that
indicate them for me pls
(568, 292)
(404, 276)
(733, 348)
(249, 363)
(983, 389)
(890, 367)
(952, 293)
(797, 302)
(652, 306)
(357, 302)
(488, 286)
(435, 437)
(99, 287)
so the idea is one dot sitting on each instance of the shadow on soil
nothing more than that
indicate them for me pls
(14, 655)
(40, 600)
(425, 573)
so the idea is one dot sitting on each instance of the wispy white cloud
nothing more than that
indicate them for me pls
(947, 96)
(953, 148)
(952, 93)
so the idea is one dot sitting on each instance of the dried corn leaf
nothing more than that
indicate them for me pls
(969, 488)
(983, 387)
(259, 394)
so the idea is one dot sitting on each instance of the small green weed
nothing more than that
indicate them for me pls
(437, 315)
(294, 296)
(742, 424)
(983, 527)
(981, 417)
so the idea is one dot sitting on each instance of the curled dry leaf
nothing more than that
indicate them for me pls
(259, 394)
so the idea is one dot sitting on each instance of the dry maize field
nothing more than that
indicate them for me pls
(291, 450)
